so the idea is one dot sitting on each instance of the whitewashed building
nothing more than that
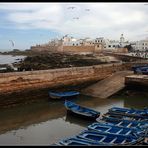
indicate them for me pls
(141, 45)
(70, 41)
(112, 45)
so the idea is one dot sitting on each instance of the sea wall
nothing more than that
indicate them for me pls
(78, 49)
(18, 81)
(21, 82)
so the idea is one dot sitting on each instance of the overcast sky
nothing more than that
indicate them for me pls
(28, 24)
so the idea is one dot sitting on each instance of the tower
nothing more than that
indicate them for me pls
(121, 38)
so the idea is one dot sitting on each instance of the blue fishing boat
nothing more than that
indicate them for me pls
(107, 138)
(129, 112)
(81, 111)
(75, 141)
(143, 70)
(126, 123)
(140, 69)
(113, 129)
(66, 94)
(126, 117)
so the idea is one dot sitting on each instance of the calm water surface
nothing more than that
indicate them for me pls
(8, 59)
(46, 122)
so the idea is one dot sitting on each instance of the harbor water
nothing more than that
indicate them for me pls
(9, 59)
(46, 121)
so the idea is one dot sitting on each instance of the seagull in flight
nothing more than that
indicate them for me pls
(76, 18)
(71, 7)
(87, 9)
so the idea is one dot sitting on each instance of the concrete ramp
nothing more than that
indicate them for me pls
(108, 86)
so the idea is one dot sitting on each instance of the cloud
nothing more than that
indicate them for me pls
(103, 19)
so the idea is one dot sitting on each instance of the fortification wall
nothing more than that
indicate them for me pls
(78, 48)
(21, 82)
(17, 81)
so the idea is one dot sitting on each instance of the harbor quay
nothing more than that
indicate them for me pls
(17, 82)
(141, 80)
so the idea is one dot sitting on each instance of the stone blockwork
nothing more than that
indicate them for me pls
(18, 82)
(78, 49)
(138, 80)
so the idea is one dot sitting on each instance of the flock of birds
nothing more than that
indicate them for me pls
(75, 18)
(72, 7)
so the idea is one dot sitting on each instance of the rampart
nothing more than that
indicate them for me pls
(18, 82)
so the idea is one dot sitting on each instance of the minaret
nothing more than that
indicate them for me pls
(121, 38)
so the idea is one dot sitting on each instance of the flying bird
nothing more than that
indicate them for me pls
(87, 9)
(12, 43)
(71, 7)
(76, 18)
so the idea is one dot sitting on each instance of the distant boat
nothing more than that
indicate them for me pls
(75, 141)
(107, 138)
(129, 112)
(113, 129)
(59, 95)
(81, 111)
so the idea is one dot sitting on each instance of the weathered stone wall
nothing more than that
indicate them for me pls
(73, 49)
(78, 48)
(137, 80)
(17, 81)
(43, 48)
(34, 81)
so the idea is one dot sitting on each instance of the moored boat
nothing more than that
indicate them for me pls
(75, 141)
(126, 123)
(107, 138)
(125, 117)
(66, 94)
(81, 111)
(140, 69)
(129, 112)
(113, 129)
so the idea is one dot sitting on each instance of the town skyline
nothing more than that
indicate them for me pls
(28, 24)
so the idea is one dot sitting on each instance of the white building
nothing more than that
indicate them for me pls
(111, 45)
(141, 45)
(106, 44)
(70, 41)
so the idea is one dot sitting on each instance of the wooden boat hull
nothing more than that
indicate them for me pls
(82, 116)
(113, 129)
(112, 139)
(81, 111)
(75, 141)
(129, 112)
(63, 95)
(125, 117)
(126, 123)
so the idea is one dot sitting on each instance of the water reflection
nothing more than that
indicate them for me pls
(77, 120)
